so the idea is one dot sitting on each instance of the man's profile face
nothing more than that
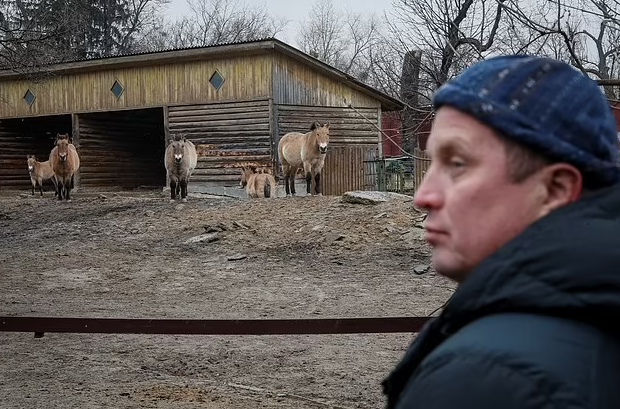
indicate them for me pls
(473, 206)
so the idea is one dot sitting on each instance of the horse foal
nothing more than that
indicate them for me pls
(40, 172)
(260, 184)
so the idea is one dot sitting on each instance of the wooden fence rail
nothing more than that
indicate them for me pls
(41, 325)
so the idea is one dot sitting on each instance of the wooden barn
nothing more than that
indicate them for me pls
(233, 101)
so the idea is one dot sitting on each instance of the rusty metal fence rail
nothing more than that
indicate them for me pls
(40, 325)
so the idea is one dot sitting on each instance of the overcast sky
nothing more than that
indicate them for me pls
(293, 10)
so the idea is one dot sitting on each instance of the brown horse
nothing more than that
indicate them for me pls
(307, 151)
(40, 172)
(65, 162)
(259, 184)
(180, 160)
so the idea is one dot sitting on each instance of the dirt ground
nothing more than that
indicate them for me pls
(124, 255)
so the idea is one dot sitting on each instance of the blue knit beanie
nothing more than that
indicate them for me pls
(543, 104)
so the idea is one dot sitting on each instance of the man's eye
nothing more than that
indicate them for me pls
(456, 163)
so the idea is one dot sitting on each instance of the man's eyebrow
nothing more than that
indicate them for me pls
(455, 144)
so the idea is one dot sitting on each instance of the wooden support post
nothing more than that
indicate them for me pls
(75, 132)
(166, 137)
(275, 138)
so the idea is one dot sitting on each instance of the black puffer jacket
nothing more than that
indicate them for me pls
(536, 325)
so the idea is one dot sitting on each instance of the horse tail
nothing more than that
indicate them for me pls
(267, 190)
(273, 186)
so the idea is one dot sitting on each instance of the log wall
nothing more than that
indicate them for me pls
(121, 149)
(227, 136)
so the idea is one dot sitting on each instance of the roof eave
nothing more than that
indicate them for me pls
(163, 57)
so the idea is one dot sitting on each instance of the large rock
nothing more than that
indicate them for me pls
(373, 197)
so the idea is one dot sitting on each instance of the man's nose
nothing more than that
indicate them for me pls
(429, 195)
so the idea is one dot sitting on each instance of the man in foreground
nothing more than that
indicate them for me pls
(524, 213)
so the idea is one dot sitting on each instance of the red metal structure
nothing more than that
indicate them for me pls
(391, 126)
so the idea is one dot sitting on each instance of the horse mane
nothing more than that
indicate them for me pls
(316, 125)
(60, 136)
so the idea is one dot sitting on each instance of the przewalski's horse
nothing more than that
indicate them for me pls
(40, 172)
(65, 162)
(180, 160)
(259, 184)
(307, 151)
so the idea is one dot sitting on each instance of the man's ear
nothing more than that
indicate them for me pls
(563, 184)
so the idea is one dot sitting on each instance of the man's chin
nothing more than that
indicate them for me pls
(447, 266)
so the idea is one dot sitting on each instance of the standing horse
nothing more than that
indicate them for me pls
(259, 184)
(307, 151)
(40, 172)
(180, 160)
(65, 162)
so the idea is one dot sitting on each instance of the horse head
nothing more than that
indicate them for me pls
(31, 162)
(321, 133)
(178, 148)
(245, 175)
(63, 148)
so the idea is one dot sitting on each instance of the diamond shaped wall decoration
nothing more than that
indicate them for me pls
(117, 89)
(216, 80)
(29, 97)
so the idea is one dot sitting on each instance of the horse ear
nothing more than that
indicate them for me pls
(314, 125)
(326, 125)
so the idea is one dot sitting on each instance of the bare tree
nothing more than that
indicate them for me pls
(451, 35)
(219, 21)
(343, 39)
(585, 32)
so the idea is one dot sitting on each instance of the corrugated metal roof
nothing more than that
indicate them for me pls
(163, 50)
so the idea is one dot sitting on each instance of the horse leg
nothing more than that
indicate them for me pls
(68, 192)
(317, 183)
(286, 171)
(309, 179)
(33, 186)
(287, 188)
(41, 186)
(183, 184)
(173, 189)
(60, 188)
(291, 178)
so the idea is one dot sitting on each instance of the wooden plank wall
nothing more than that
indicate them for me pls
(227, 136)
(348, 129)
(122, 149)
(421, 163)
(31, 136)
(295, 83)
(245, 77)
(345, 169)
